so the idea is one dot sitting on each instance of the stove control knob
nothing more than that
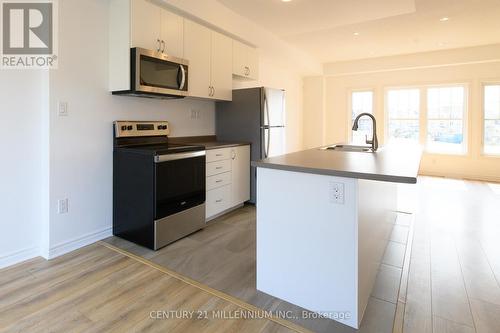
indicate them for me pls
(129, 127)
(160, 127)
(164, 127)
(124, 128)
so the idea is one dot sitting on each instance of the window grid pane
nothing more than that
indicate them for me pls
(492, 119)
(403, 106)
(445, 114)
(361, 101)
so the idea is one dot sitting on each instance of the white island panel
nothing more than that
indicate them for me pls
(317, 253)
(306, 243)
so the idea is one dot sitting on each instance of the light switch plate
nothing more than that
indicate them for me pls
(62, 110)
(337, 193)
(195, 114)
(62, 206)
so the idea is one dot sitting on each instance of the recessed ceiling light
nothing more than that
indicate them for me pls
(356, 34)
(444, 19)
(286, 0)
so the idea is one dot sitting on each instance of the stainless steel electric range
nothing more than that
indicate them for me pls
(158, 186)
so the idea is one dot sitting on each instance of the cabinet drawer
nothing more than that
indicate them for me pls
(218, 200)
(216, 181)
(215, 168)
(218, 154)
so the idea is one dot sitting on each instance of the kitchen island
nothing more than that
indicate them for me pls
(323, 222)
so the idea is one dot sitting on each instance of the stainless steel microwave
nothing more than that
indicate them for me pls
(157, 75)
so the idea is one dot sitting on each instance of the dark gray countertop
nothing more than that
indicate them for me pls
(208, 141)
(221, 144)
(392, 163)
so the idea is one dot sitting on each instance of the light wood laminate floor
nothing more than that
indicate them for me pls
(222, 256)
(453, 284)
(96, 289)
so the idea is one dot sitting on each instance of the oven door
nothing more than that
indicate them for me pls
(180, 182)
(158, 73)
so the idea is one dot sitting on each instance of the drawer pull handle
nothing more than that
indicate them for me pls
(220, 200)
(218, 155)
(218, 168)
(219, 181)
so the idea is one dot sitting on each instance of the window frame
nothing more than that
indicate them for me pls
(465, 119)
(349, 108)
(484, 84)
(421, 100)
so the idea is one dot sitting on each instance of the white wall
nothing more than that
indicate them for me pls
(71, 157)
(281, 65)
(215, 14)
(81, 144)
(314, 111)
(471, 66)
(20, 164)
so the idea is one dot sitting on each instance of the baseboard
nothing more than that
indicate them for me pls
(79, 242)
(18, 256)
(224, 212)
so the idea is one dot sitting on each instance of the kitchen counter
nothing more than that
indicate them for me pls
(221, 144)
(209, 142)
(324, 218)
(392, 163)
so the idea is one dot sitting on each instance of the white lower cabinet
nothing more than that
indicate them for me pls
(218, 200)
(220, 180)
(228, 179)
(214, 168)
(240, 176)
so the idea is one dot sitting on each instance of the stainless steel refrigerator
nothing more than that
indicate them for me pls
(255, 115)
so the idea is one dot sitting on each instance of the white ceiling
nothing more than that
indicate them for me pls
(325, 28)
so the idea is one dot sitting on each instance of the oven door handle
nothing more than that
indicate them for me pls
(179, 156)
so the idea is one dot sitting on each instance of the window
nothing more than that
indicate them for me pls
(491, 120)
(403, 112)
(361, 101)
(445, 119)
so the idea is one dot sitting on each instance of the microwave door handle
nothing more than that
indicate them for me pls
(179, 77)
(183, 79)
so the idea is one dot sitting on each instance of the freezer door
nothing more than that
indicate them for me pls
(273, 141)
(274, 107)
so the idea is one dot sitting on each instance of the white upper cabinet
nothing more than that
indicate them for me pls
(197, 51)
(221, 67)
(245, 61)
(210, 57)
(172, 33)
(145, 25)
(155, 28)
(213, 57)
(252, 63)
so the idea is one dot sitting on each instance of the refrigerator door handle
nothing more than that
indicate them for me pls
(268, 142)
(266, 106)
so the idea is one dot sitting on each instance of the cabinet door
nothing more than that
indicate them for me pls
(221, 69)
(197, 40)
(145, 24)
(218, 200)
(239, 58)
(252, 56)
(172, 33)
(240, 170)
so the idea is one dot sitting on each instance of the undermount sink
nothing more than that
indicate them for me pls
(353, 148)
